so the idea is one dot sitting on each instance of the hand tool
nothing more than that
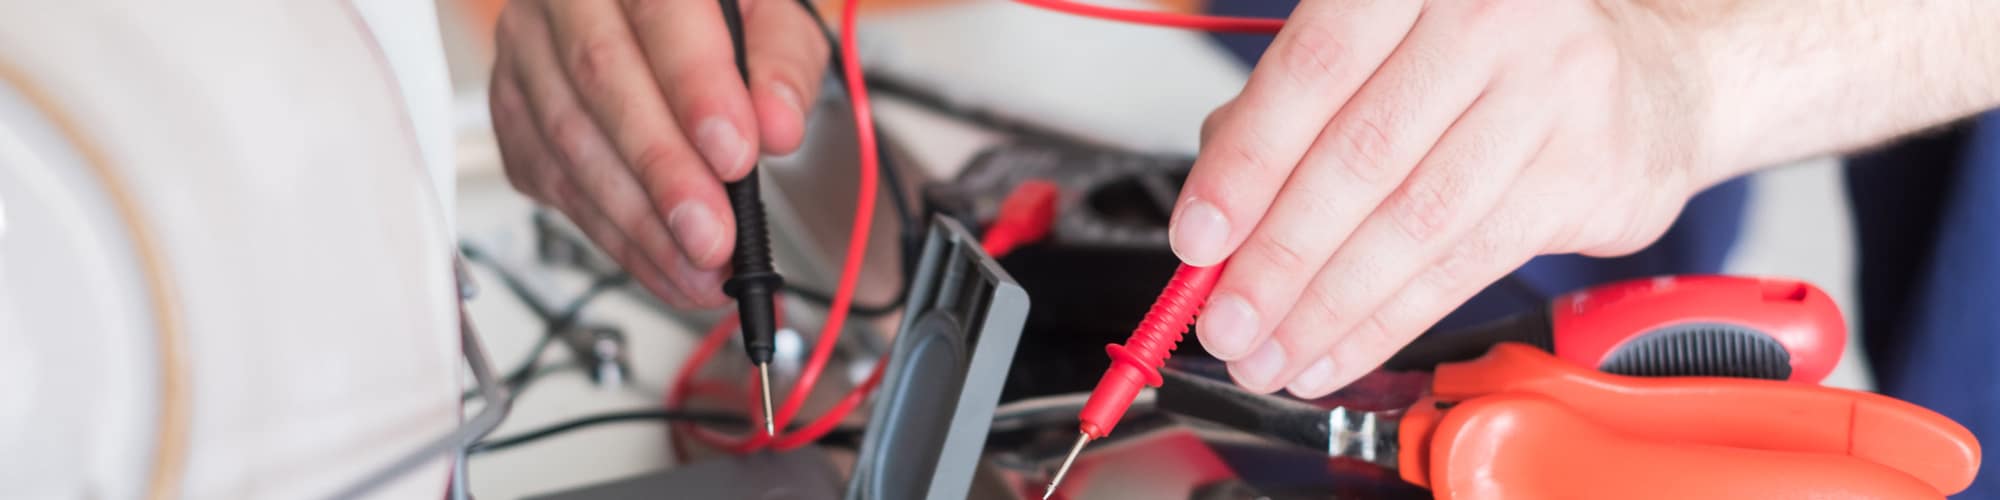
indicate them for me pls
(1768, 328)
(753, 281)
(1520, 423)
(1675, 325)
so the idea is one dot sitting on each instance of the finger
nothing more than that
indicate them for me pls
(1456, 186)
(1215, 117)
(1317, 62)
(1360, 157)
(574, 203)
(694, 62)
(594, 47)
(534, 172)
(587, 159)
(1495, 249)
(787, 61)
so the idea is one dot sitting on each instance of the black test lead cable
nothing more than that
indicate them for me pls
(754, 282)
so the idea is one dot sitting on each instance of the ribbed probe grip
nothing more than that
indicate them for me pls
(1160, 332)
(1136, 364)
(753, 281)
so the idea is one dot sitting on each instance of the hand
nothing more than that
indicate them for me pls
(1389, 158)
(628, 115)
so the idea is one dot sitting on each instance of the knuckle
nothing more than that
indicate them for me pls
(1312, 57)
(1251, 152)
(657, 171)
(1364, 149)
(569, 132)
(1374, 333)
(1280, 253)
(592, 59)
(656, 157)
(627, 216)
(1426, 209)
(1322, 306)
(1464, 261)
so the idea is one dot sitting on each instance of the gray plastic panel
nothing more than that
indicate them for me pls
(928, 427)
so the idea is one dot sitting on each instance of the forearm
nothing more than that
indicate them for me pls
(1783, 80)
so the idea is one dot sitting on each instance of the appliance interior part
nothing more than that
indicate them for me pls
(950, 360)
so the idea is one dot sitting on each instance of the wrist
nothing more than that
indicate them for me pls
(1783, 81)
(1673, 97)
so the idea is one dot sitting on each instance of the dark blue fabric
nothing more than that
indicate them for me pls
(1935, 345)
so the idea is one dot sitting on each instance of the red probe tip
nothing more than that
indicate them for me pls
(1136, 364)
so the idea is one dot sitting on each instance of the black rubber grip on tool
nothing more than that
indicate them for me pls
(1438, 347)
(1223, 403)
(753, 281)
(1702, 349)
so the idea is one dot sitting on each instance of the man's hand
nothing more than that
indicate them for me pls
(628, 115)
(1390, 158)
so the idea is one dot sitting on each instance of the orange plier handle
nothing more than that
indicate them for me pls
(1519, 423)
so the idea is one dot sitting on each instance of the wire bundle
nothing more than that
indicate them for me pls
(843, 298)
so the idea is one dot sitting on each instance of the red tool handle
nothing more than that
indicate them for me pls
(1728, 412)
(1768, 328)
(1525, 446)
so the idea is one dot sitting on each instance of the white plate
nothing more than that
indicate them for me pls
(223, 273)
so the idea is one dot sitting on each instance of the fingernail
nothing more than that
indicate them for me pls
(1255, 372)
(1227, 326)
(1312, 382)
(722, 145)
(696, 230)
(1198, 233)
(789, 97)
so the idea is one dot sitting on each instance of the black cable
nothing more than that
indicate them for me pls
(938, 103)
(909, 233)
(568, 315)
(502, 443)
(839, 435)
(822, 299)
(513, 283)
(554, 320)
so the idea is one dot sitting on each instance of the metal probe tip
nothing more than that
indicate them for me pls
(1081, 439)
(764, 383)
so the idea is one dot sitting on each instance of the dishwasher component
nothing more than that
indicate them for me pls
(224, 271)
(932, 412)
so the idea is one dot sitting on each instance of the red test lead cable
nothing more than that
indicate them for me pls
(1136, 364)
(1217, 24)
